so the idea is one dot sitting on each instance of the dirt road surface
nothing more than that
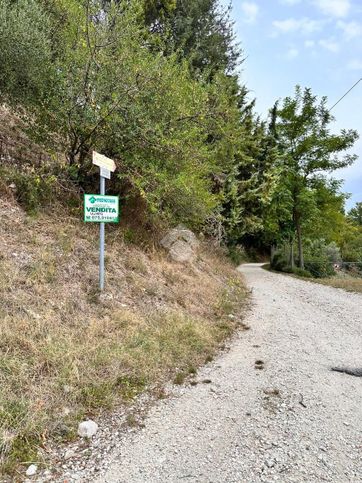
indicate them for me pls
(289, 419)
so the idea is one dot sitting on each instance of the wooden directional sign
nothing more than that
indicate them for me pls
(103, 162)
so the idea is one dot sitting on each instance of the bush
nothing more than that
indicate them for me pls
(317, 264)
(237, 254)
(320, 257)
(319, 267)
(333, 252)
(280, 263)
(33, 188)
(25, 54)
(300, 272)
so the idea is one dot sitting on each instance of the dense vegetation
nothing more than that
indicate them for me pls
(154, 86)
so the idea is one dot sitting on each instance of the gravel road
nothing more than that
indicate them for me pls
(289, 420)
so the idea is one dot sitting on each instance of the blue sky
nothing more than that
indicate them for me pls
(314, 43)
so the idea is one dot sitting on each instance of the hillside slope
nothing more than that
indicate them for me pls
(67, 353)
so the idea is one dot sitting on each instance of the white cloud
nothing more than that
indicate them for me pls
(304, 25)
(330, 44)
(355, 64)
(351, 30)
(309, 43)
(334, 8)
(250, 11)
(292, 53)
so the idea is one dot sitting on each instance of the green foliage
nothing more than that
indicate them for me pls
(197, 30)
(333, 252)
(355, 214)
(319, 266)
(307, 151)
(165, 129)
(204, 34)
(320, 258)
(25, 54)
(156, 12)
(34, 187)
(352, 245)
(152, 85)
(301, 272)
(253, 175)
(237, 254)
(280, 262)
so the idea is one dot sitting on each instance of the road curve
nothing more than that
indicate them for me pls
(291, 421)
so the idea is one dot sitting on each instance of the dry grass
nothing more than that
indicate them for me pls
(67, 353)
(350, 284)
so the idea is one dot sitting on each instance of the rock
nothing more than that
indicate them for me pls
(181, 252)
(87, 429)
(181, 244)
(69, 454)
(31, 471)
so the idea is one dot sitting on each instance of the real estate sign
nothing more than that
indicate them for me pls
(101, 208)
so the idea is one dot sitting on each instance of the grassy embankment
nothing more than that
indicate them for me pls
(66, 353)
(342, 280)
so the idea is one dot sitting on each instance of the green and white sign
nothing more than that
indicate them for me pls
(101, 209)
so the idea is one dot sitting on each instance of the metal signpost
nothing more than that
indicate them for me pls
(101, 208)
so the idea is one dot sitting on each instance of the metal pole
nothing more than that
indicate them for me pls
(101, 239)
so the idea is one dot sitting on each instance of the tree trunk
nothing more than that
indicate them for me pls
(72, 153)
(291, 255)
(300, 242)
(272, 253)
(71, 158)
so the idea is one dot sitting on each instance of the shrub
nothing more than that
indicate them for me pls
(25, 54)
(319, 266)
(237, 254)
(301, 273)
(280, 263)
(333, 252)
(320, 257)
(34, 188)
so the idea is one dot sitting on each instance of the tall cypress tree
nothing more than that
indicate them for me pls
(198, 30)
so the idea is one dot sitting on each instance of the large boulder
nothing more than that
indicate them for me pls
(181, 244)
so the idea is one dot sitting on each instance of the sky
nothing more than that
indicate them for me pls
(313, 43)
